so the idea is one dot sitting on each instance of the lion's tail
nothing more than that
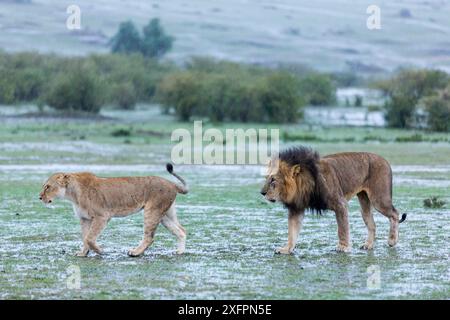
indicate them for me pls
(403, 218)
(183, 189)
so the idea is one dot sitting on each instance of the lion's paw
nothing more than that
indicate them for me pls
(81, 253)
(342, 248)
(133, 253)
(284, 250)
(367, 246)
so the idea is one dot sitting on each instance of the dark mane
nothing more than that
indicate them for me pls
(307, 159)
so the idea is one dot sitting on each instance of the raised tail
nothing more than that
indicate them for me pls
(183, 189)
(403, 218)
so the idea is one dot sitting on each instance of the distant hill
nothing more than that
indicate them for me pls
(328, 35)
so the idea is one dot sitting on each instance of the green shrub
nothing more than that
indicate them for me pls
(80, 89)
(237, 95)
(434, 203)
(400, 111)
(121, 133)
(124, 95)
(413, 138)
(7, 87)
(281, 98)
(438, 109)
(358, 101)
(182, 91)
(374, 108)
(318, 89)
(405, 90)
(29, 84)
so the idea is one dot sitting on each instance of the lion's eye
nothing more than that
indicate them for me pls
(272, 184)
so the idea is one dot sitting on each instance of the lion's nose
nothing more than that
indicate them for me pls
(40, 198)
(263, 193)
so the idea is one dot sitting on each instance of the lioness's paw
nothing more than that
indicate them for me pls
(367, 246)
(284, 250)
(179, 251)
(342, 248)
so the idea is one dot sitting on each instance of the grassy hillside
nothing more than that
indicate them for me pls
(325, 34)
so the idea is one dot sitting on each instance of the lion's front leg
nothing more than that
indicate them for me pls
(295, 221)
(343, 230)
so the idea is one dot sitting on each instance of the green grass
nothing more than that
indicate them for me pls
(232, 232)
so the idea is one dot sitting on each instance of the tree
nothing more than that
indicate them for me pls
(405, 90)
(155, 42)
(127, 39)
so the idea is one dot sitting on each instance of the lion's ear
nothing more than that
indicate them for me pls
(296, 170)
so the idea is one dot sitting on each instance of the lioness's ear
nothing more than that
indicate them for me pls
(296, 170)
(65, 179)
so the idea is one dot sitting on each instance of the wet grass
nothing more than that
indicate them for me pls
(232, 233)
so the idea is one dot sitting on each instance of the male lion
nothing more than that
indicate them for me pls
(301, 180)
(96, 200)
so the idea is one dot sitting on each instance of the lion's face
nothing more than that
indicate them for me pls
(282, 182)
(54, 187)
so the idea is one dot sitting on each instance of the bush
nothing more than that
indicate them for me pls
(399, 111)
(318, 89)
(405, 90)
(438, 109)
(121, 133)
(7, 87)
(80, 89)
(434, 203)
(183, 91)
(143, 73)
(238, 95)
(124, 95)
(358, 101)
(281, 99)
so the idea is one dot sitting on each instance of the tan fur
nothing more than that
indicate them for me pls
(96, 200)
(340, 177)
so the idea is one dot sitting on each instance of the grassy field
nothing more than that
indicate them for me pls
(232, 232)
(325, 34)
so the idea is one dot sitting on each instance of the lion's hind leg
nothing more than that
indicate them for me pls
(170, 221)
(368, 220)
(383, 204)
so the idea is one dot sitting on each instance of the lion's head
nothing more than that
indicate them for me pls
(54, 187)
(293, 179)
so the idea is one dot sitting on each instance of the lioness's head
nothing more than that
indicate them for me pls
(292, 179)
(54, 187)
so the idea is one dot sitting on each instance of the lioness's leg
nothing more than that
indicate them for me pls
(343, 229)
(368, 220)
(170, 221)
(85, 226)
(152, 217)
(97, 226)
(295, 220)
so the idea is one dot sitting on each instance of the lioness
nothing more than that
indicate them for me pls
(96, 200)
(301, 180)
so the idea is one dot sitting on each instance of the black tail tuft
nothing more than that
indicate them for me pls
(403, 218)
(169, 167)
